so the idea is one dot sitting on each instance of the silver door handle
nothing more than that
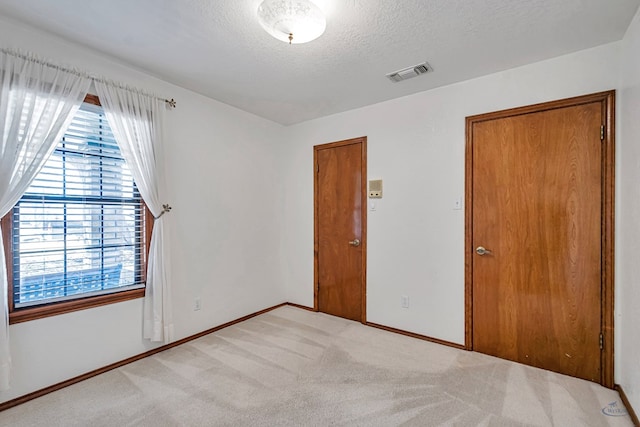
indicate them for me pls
(480, 250)
(355, 242)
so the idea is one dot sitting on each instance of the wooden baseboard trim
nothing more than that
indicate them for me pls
(38, 393)
(627, 404)
(303, 307)
(413, 335)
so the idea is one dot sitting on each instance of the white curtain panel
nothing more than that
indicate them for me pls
(136, 120)
(37, 103)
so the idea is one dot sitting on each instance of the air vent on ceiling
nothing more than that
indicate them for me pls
(409, 72)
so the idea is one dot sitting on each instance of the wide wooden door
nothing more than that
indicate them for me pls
(536, 235)
(340, 228)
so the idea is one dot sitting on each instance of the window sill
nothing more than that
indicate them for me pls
(39, 312)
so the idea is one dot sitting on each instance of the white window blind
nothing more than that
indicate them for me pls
(78, 231)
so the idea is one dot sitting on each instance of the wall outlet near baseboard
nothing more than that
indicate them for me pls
(404, 301)
(197, 304)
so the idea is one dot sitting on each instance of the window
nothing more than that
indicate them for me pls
(78, 237)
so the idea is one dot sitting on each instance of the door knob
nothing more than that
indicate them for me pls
(480, 250)
(355, 242)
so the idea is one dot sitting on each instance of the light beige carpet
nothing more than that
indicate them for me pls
(291, 367)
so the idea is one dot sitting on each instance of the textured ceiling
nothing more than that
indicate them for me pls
(217, 47)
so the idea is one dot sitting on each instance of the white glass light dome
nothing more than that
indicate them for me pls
(292, 21)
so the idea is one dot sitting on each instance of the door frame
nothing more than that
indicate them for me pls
(363, 217)
(607, 101)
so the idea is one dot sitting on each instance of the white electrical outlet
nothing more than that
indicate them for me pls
(196, 304)
(404, 300)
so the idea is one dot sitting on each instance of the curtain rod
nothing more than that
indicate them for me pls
(30, 57)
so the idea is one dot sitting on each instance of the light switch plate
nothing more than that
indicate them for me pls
(457, 204)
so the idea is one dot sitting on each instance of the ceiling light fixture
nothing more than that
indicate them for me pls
(293, 21)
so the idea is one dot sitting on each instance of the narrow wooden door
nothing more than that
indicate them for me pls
(340, 228)
(538, 180)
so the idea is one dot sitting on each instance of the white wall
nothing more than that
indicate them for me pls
(224, 227)
(416, 145)
(628, 250)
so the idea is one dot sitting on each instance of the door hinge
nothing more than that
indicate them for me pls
(602, 133)
(317, 167)
(601, 342)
